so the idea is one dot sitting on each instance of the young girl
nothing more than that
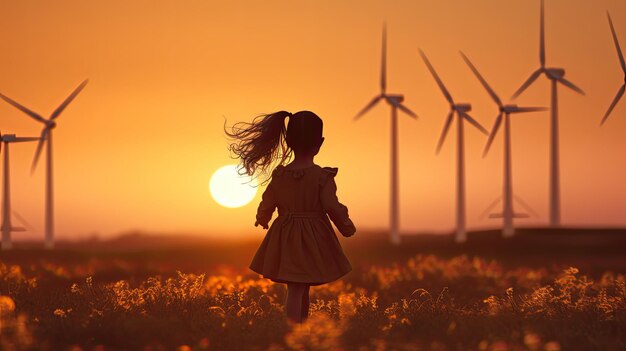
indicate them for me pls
(300, 248)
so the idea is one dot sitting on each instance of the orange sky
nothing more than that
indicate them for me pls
(136, 149)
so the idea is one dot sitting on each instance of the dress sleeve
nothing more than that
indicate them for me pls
(337, 212)
(266, 207)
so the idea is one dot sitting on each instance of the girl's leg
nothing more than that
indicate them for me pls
(294, 301)
(305, 303)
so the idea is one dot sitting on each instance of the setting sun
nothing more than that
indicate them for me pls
(229, 189)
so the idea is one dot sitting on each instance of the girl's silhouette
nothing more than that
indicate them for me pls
(300, 248)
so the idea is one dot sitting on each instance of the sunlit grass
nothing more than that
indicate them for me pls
(427, 303)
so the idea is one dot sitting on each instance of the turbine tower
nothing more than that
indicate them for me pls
(7, 227)
(505, 112)
(620, 92)
(555, 75)
(395, 102)
(46, 137)
(461, 110)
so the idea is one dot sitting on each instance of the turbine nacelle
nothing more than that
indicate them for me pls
(7, 138)
(509, 108)
(394, 100)
(462, 107)
(50, 124)
(554, 73)
(12, 138)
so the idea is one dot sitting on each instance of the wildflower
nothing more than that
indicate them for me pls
(483, 345)
(499, 346)
(346, 306)
(218, 311)
(552, 346)
(265, 303)
(203, 344)
(532, 341)
(60, 313)
(318, 332)
(7, 305)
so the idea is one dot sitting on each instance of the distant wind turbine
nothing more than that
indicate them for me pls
(461, 110)
(7, 227)
(620, 92)
(555, 75)
(505, 112)
(395, 102)
(46, 137)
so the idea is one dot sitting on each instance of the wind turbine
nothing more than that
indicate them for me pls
(620, 92)
(395, 102)
(505, 112)
(7, 227)
(46, 137)
(461, 110)
(555, 75)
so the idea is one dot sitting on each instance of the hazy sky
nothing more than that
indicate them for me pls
(137, 148)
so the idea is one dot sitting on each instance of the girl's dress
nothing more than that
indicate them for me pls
(301, 245)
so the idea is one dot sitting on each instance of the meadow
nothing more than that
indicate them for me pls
(426, 295)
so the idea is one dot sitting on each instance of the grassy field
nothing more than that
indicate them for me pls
(542, 290)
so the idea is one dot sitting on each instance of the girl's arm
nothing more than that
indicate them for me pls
(266, 208)
(337, 212)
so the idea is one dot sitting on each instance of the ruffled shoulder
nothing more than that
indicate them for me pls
(278, 171)
(294, 173)
(328, 173)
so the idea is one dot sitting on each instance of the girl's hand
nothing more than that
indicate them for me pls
(265, 226)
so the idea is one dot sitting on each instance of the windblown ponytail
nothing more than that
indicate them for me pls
(260, 144)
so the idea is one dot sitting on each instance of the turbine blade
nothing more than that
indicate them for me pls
(444, 132)
(482, 80)
(383, 69)
(34, 115)
(542, 40)
(529, 109)
(492, 135)
(528, 82)
(25, 139)
(439, 82)
(69, 99)
(475, 123)
(619, 50)
(406, 110)
(368, 107)
(571, 85)
(42, 140)
(620, 92)
(525, 206)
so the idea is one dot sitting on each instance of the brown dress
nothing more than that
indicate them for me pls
(301, 245)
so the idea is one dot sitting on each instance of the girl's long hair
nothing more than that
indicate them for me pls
(260, 144)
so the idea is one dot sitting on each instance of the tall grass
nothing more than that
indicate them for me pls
(427, 303)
